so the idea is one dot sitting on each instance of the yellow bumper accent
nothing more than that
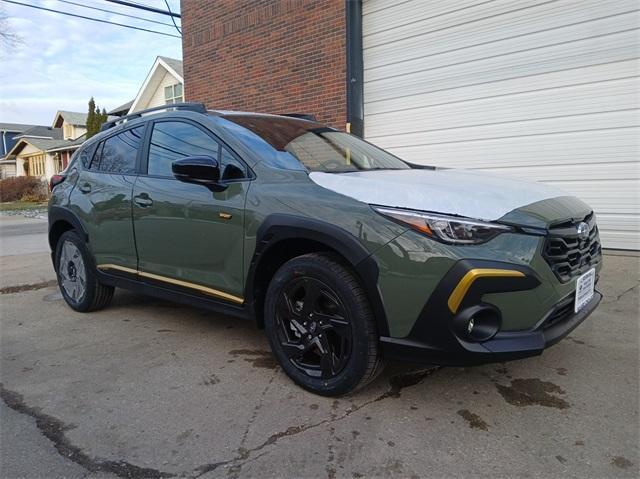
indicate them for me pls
(467, 280)
(185, 284)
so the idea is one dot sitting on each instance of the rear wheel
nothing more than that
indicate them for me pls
(78, 283)
(320, 326)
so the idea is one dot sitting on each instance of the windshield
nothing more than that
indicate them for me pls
(318, 147)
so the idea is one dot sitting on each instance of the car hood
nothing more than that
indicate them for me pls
(456, 192)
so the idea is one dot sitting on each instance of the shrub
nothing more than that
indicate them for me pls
(23, 188)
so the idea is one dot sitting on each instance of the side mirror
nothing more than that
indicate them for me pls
(203, 170)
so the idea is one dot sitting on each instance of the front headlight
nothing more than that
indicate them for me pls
(447, 229)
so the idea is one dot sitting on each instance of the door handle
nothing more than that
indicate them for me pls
(143, 200)
(85, 188)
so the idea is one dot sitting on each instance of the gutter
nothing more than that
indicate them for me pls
(355, 68)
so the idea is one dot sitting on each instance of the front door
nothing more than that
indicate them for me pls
(186, 235)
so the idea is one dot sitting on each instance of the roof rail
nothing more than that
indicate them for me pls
(302, 116)
(197, 107)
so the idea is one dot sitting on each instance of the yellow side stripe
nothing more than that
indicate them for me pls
(468, 279)
(118, 267)
(204, 289)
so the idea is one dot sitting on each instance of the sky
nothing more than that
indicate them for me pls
(62, 61)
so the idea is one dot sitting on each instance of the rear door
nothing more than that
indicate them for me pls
(187, 235)
(102, 198)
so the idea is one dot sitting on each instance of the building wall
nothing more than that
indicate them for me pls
(72, 132)
(27, 151)
(157, 97)
(7, 139)
(274, 56)
(7, 171)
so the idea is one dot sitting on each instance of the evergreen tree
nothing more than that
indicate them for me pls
(95, 118)
(91, 119)
(103, 118)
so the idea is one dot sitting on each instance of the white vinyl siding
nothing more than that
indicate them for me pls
(545, 90)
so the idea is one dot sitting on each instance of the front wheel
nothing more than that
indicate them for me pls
(320, 325)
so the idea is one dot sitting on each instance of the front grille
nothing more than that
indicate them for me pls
(567, 254)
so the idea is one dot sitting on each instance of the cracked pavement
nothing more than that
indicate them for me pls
(148, 388)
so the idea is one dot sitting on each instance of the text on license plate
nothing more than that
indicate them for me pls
(585, 285)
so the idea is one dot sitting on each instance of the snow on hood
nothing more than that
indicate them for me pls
(457, 192)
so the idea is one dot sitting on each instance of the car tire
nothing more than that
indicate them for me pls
(349, 354)
(77, 280)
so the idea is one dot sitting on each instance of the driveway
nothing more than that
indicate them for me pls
(147, 388)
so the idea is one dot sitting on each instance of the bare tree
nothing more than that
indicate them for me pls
(8, 38)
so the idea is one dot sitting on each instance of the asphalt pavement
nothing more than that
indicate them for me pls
(148, 388)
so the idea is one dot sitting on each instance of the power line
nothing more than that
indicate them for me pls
(144, 7)
(115, 13)
(172, 19)
(90, 18)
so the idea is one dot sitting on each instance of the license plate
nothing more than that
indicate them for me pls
(584, 289)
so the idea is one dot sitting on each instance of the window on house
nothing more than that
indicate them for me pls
(36, 165)
(57, 162)
(173, 93)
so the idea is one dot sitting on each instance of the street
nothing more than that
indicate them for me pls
(148, 388)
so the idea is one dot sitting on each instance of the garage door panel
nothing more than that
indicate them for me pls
(502, 131)
(537, 46)
(619, 145)
(618, 222)
(419, 25)
(535, 83)
(566, 102)
(620, 240)
(567, 172)
(520, 31)
(400, 13)
(546, 92)
(450, 73)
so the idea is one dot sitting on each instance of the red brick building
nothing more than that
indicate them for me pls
(274, 56)
(545, 91)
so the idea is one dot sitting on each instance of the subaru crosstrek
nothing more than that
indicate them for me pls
(344, 253)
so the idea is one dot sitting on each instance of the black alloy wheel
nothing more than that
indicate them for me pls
(313, 327)
(320, 326)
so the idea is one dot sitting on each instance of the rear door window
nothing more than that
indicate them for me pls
(118, 153)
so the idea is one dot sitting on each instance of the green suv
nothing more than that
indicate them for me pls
(345, 254)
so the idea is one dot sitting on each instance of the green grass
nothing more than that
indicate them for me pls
(21, 205)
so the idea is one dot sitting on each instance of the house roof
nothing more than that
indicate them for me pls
(46, 144)
(68, 144)
(161, 66)
(17, 127)
(174, 64)
(72, 117)
(121, 110)
(42, 132)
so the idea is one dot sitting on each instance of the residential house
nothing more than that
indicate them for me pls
(548, 92)
(73, 124)
(43, 151)
(8, 134)
(163, 85)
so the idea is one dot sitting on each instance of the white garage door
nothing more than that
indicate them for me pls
(547, 90)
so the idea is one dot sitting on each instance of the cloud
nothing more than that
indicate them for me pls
(63, 61)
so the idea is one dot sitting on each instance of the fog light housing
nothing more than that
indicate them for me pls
(477, 323)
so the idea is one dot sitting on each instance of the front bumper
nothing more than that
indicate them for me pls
(435, 340)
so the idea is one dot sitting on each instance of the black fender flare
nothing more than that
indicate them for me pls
(278, 227)
(56, 214)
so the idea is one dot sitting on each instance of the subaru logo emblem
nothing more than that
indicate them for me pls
(583, 230)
